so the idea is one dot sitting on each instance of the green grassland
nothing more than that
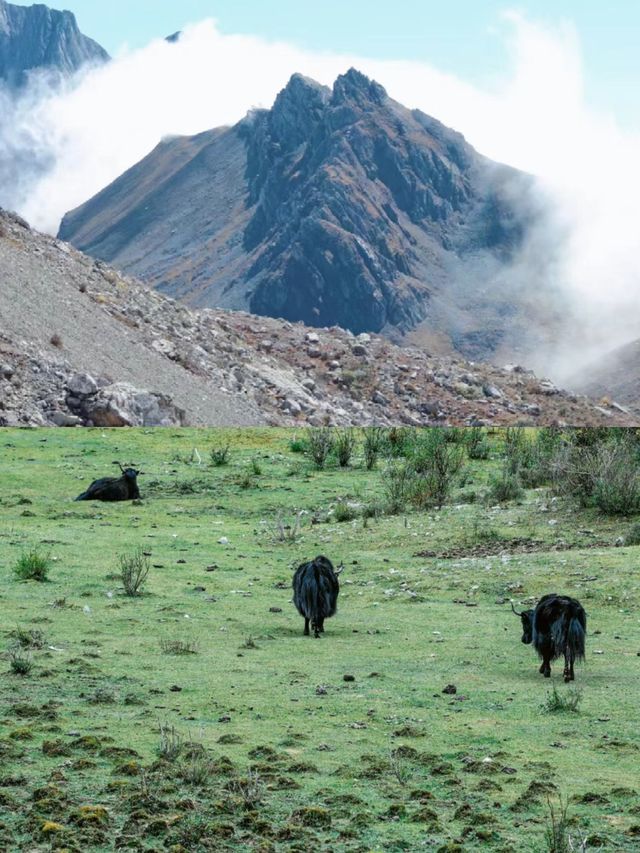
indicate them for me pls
(197, 716)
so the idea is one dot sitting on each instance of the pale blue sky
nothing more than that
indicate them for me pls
(458, 36)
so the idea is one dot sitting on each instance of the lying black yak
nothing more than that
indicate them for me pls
(124, 488)
(315, 593)
(557, 628)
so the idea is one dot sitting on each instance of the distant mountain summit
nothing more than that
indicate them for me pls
(36, 37)
(335, 207)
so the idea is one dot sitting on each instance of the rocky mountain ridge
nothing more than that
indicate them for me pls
(82, 344)
(38, 38)
(335, 207)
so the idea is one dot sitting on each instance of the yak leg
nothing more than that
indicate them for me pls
(306, 627)
(545, 667)
(568, 665)
(321, 626)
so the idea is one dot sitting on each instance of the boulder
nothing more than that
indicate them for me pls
(64, 419)
(122, 405)
(82, 385)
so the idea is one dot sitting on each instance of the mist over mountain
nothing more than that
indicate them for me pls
(38, 38)
(336, 207)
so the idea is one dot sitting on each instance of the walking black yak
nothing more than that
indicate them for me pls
(315, 593)
(557, 628)
(124, 488)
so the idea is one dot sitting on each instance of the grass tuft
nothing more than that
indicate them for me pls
(33, 565)
(134, 570)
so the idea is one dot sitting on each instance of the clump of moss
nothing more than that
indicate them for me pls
(90, 816)
(50, 828)
(312, 816)
(56, 748)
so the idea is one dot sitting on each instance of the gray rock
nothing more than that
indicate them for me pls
(379, 398)
(122, 405)
(359, 350)
(63, 419)
(82, 385)
(6, 371)
(492, 391)
(291, 406)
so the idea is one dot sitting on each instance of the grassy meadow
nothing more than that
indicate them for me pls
(195, 716)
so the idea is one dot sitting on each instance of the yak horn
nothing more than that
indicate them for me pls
(514, 610)
(340, 569)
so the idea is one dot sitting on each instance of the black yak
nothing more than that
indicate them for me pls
(124, 488)
(557, 628)
(315, 593)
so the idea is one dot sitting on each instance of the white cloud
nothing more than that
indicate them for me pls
(536, 118)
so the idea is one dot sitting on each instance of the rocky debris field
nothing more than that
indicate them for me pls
(81, 344)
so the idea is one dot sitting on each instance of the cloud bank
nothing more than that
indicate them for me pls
(59, 146)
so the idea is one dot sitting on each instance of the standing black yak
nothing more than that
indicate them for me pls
(124, 488)
(315, 593)
(557, 628)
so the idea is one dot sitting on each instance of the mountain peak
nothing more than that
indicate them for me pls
(354, 86)
(36, 37)
(297, 110)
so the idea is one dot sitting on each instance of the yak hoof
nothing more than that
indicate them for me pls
(547, 673)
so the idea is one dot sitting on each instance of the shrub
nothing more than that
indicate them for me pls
(399, 440)
(345, 443)
(171, 743)
(255, 467)
(372, 509)
(285, 532)
(27, 638)
(178, 647)
(134, 570)
(605, 474)
(505, 487)
(564, 702)
(219, 455)
(477, 445)
(56, 341)
(373, 442)
(249, 789)
(616, 488)
(319, 445)
(557, 832)
(438, 461)
(33, 565)
(20, 661)
(396, 484)
(633, 536)
(198, 770)
(344, 511)
(247, 480)
(298, 445)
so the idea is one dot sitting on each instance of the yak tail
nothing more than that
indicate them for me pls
(575, 638)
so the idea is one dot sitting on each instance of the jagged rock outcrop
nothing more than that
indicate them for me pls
(336, 207)
(36, 37)
(78, 340)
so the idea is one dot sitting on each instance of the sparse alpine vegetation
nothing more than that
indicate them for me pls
(198, 714)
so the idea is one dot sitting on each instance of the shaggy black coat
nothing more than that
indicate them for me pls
(315, 593)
